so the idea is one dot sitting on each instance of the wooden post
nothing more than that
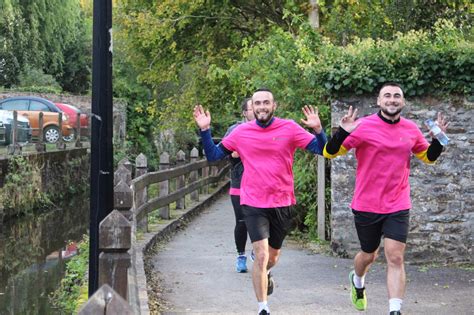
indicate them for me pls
(123, 199)
(107, 302)
(214, 172)
(14, 148)
(60, 144)
(164, 185)
(314, 14)
(40, 146)
(194, 174)
(141, 197)
(115, 239)
(125, 162)
(122, 173)
(78, 143)
(181, 181)
(321, 198)
(205, 174)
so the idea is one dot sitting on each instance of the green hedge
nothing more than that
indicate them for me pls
(439, 62)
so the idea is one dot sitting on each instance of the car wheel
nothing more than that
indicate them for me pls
(71, 136)
(51, 134)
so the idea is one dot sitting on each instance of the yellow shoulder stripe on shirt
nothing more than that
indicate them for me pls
(341, 151)
(423, 155)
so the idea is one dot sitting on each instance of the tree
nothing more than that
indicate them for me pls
(47, 35)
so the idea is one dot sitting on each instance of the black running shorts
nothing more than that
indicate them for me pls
(371, 226)
(271, 223)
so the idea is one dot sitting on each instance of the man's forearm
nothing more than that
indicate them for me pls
(334, 144)
(316, 145)
(213, 152)
(434, 150)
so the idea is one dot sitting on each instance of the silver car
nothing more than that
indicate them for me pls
(23, 128)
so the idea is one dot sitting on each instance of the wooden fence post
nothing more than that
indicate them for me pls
(141, 197)
(123, 199)
(321, 197)
(14, 147)
(164, 185)
(193, 177)
(214, 172)
(106, 301)
(40, 146)
(181, 180)
(60, 144)
(78, 143)
(122, 173)
(115, 239)
(205, 174)
(125, 162)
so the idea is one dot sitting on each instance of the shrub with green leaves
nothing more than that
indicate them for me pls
(435, 63)
(22, 188)
(72, 291)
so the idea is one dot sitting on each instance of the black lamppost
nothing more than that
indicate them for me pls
(101, 194)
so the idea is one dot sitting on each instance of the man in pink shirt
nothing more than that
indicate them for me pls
(384, 144)
(266, 147)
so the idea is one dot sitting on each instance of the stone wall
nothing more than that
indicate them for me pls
(63, 173)
(442, 217)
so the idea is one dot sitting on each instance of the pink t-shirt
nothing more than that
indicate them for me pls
(383, 154)
(267, 156)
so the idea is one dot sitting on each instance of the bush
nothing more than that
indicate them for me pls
(22, 193)
(72, 291)
(435, 63)
(33, 79)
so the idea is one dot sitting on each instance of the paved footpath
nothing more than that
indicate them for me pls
(196, 272)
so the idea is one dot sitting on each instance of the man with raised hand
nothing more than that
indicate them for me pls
(384, 144)
(266, 147)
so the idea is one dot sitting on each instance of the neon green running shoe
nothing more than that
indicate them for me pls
(358, 297)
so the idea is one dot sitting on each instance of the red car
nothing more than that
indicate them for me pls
(72, 111)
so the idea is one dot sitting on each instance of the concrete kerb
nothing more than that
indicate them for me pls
(137, 279)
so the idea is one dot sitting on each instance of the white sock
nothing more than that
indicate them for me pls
(359, 282)
(395, 304)
(263, 306)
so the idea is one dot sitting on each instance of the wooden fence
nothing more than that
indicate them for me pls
(132, 207)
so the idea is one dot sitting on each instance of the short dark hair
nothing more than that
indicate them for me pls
(243, 105)
(263, 90)
(391, 83)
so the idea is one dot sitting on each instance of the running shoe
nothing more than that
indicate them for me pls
(271, 284)
(241, 264)
(358, 297)
(264, 312)
(395, 313)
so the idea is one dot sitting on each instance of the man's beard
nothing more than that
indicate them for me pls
(392, 114)
(265, 120)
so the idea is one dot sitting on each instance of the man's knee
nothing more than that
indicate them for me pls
(272, 260)
(394, 259)
(262, 259)
(369, 258)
